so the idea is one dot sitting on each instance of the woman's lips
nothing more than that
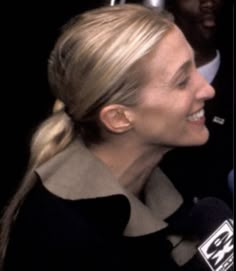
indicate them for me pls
(198, 117)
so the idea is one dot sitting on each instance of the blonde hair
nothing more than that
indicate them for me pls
(96, 61)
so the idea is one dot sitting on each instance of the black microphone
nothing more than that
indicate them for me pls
(207, 244)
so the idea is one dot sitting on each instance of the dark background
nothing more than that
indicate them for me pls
(28, 32)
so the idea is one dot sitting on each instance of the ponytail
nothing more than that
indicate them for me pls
(52, 136)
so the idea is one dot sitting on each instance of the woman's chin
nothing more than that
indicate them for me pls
(196, 140)
(202, 139)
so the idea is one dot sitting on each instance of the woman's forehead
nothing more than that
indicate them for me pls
(172, 52)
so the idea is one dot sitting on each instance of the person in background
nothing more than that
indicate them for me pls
(201, 172)
(127, 91)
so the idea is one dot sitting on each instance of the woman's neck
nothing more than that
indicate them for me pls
(129, 164)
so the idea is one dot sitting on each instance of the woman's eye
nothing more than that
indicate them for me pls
(182, 84)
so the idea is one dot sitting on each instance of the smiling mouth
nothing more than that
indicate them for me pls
(197, 116)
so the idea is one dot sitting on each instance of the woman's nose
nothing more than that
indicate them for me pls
(205, 90)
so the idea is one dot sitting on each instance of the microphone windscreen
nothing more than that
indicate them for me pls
(207, 215)
(208, 240)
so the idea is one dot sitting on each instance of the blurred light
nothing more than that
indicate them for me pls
(114, 2)
(154, 3)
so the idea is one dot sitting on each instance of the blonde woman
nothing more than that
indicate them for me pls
(127, 92)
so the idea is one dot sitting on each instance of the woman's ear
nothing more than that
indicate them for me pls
(116, 118)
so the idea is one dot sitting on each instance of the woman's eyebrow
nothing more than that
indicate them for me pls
(184, 68)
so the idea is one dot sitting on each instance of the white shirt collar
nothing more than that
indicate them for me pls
(209, 70)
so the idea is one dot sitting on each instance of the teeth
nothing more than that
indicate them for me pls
(196, 116)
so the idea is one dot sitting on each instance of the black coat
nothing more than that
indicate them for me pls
(77, 217)
(82, 235)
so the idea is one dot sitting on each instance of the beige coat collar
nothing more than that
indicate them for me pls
(76, 173)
